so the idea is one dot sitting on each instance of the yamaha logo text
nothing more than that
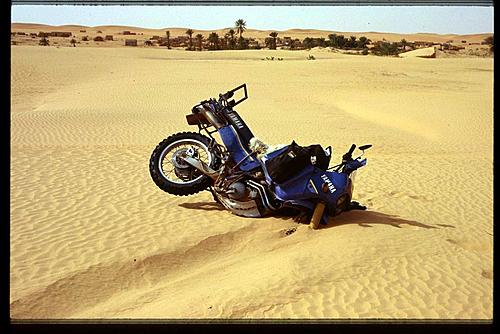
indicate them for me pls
(331, 187)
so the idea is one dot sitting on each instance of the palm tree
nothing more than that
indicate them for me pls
(240, 26)
(274, 35)
(213, 40)
(231, 34)
(199, 39)
(168, 39)
(225, 42)
(190, 32)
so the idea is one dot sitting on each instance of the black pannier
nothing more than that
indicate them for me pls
(294, 159)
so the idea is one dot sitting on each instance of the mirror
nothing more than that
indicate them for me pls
(328, 151)
(365, 147)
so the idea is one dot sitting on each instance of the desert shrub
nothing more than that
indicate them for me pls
(311, 57)
(384, 48)
(44, 41)
(489, 40)
(364, 52)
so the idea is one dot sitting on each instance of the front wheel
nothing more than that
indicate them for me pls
(171, 173)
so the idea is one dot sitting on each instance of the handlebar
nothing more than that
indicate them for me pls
(348, 155)
(229, 94)
(353, 147)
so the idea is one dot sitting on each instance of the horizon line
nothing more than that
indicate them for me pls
(255, 29)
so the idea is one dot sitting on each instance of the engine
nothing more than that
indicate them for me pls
(248, 198)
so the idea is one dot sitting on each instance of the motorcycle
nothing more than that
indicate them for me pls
(245, 175)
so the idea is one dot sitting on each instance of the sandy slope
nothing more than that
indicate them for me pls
(92, 236)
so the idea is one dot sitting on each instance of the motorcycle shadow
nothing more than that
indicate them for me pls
(208, 206)
(362, 218)
(370, 218)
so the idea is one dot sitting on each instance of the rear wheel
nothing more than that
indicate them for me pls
(171, 173)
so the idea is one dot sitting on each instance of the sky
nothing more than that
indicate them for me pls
(397, 19)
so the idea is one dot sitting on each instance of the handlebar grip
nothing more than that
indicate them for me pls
(353, 147)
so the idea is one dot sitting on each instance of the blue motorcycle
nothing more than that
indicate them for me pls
(245, 175)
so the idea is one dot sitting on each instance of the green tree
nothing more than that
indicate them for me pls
(308, 43)
(404, 43)
(274, 35)
(351, 43)
(489, 40)
(384, 48)
(199, 39)
(190, 32)
(240, 26)
(232, 43)
(243, 43)
(332, 40)
(213, 41)
(363, 42)
(168, 39)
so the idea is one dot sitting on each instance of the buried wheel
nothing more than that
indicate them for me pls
(171, 173)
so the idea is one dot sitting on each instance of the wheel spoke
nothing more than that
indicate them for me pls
(170, 162)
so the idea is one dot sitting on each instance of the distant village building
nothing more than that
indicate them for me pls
(83, 30)
(130, 42)
(43, 34)
(126, 32)
(148, 43)
(21, 33)
(109, 37)
(155, 37)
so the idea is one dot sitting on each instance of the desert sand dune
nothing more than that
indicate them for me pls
(423, 53)
(92, 236)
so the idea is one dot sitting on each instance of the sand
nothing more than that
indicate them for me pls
(93, 237)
